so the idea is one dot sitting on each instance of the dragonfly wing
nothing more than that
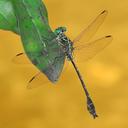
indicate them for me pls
(38, 80)
(89, 50)
(21, 58)
(52, 73)
(87, 33)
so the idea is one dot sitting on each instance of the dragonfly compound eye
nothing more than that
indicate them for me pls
(60, 30)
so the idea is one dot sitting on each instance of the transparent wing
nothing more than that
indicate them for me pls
(87, 33)
(21, 58)
(38, 80)
(89, 50)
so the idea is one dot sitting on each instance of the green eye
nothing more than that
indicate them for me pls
(59, 30)
(64, 29)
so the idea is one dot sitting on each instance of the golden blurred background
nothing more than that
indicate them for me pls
(64, 105)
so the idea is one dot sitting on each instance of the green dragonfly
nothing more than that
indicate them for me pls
(47, 49)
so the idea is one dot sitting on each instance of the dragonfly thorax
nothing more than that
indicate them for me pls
(65, 43)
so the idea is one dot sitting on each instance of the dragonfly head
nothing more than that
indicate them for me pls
(60, 30)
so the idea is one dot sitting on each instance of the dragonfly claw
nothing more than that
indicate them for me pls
(91, 107)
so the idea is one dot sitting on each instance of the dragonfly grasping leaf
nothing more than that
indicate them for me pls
(47, 49)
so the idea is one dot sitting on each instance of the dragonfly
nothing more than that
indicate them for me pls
(47, 50)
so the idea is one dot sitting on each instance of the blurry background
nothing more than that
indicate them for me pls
(64, 105)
